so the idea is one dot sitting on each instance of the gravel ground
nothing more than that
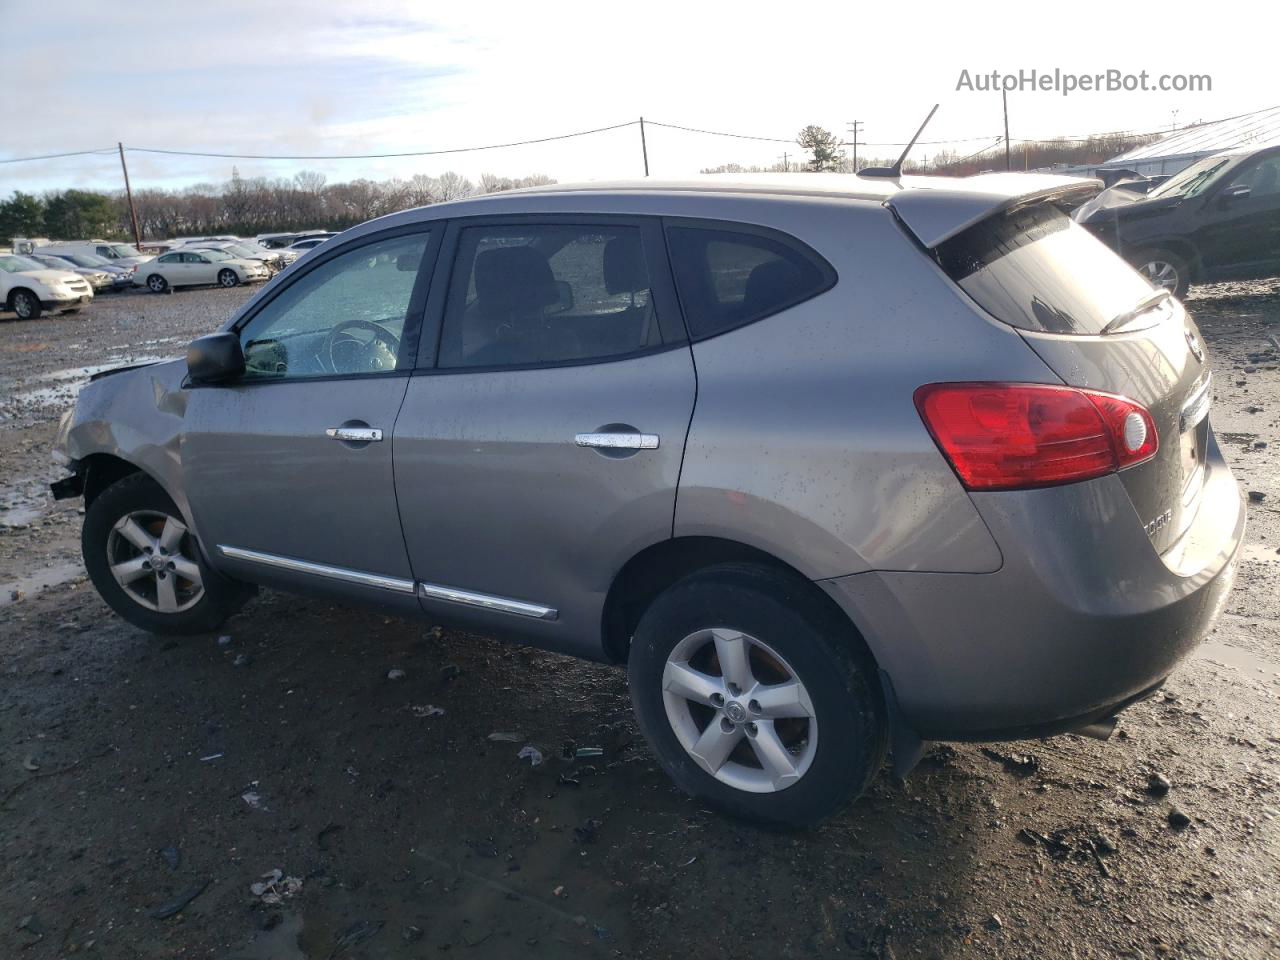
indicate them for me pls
(141, 777)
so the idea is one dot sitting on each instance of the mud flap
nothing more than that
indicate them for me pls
(68, 488)
(906, 744)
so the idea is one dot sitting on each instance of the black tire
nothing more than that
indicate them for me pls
(228, 278)
(821, 649)
(1163, 268)
(25, 304)
(139, 493)
(157, 283)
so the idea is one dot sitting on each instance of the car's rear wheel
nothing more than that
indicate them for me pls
(228, 277)
(157, 283)
(1164, 269)
(25, 304)
(755, 697)
(147, 565)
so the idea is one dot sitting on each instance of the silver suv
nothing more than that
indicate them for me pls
(829, 462)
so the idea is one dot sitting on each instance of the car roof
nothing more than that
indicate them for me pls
(935, 208)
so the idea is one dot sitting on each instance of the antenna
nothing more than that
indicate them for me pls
(896, 170)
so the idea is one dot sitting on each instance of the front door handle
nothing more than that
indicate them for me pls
(618, 441)
(355, 434)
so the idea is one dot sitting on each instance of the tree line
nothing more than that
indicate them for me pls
(826, 153)
(244, 206)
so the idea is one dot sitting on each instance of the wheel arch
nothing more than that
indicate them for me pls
(1182, 246)
(662, 564)
(15, 291)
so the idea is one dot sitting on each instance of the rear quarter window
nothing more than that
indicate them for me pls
(1036, 269)
(728, 277)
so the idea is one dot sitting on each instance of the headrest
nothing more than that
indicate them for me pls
(514, 278)
(624, 268)
(770, 283)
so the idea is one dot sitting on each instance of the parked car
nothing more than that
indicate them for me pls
(305, 245)
(98, 280)
(28, 288)
(827, 461)
(274, 260)
(1219, 219)
(121, 254)
(191, 268)
(121, 277)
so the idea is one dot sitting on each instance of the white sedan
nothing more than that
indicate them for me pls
(190, 268)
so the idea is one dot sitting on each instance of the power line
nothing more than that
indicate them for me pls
(54, 156)
(381, 156)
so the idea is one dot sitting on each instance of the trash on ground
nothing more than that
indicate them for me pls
(178, 903)
(396, 674)
(530, 753)
(582, 752)
(253, 799)
(171, 856)
(274, 887)
(30, 764)
(212, 756)
(427, 710)
(502, 736)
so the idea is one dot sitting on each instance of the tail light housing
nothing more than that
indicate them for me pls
(1015, 436)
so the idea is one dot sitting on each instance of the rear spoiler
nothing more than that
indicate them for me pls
(935, 211)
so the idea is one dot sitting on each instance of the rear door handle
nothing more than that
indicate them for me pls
(618, 441)
(355, 434)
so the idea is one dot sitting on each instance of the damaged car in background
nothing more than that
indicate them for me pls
(829, 462)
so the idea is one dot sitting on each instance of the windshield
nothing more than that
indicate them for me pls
(87, 260)
(124, 250)
(240, 249)
(1037, 269)
(12, 264)
(1192, 180)
(216, 255)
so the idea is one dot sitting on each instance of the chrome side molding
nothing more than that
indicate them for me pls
(486, 601)
(428, 591)
(359, 577)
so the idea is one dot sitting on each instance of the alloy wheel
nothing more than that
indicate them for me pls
(152, 557)
(23, 305)
(1161, 273)
(739, 710)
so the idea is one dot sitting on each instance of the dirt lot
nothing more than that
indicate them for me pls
(137, 774)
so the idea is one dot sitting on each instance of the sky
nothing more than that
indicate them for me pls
(383, 76)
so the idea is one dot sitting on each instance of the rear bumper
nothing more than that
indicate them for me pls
(1083, 618)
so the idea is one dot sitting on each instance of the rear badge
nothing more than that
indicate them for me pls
(1159, 523)
(1194, 343)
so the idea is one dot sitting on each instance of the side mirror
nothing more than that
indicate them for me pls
(216, 358)
(1237, 191)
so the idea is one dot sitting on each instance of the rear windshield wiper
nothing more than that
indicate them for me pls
(1147, 303)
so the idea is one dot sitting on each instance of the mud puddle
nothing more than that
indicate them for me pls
(56, 575)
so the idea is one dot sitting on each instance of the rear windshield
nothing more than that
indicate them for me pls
(1037, 269)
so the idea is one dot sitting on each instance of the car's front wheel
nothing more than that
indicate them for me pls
(755, 697)
(228, 277)
(25, 304)
(157, 283)
(147, 566)
(1164, 269)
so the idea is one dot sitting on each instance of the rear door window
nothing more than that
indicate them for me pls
(1036, 269)
(728, 278)
(535, 294)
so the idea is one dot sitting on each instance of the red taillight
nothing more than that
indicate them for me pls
(1007, 436)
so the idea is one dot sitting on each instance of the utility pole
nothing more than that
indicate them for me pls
(786, 168)
(644, 148)
(1008, 157)
(128, 192)
(855, 127)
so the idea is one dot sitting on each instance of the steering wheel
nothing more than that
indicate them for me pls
(379, 352)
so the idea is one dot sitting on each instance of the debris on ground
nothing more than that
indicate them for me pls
(224, 641)
(583, 752)
(273, 887)
(1257, 496)
(427, 710)
(30, 764)
(503, 736)
(357, 933)
(172, 857)
(412, 934)
(253, 799)
(212, 756)
(530, 753)
(1178, 820)
(395, 673)
(1158, 784)
(241, 660)
(33, 928)
(1019, 764)
(179, 903)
